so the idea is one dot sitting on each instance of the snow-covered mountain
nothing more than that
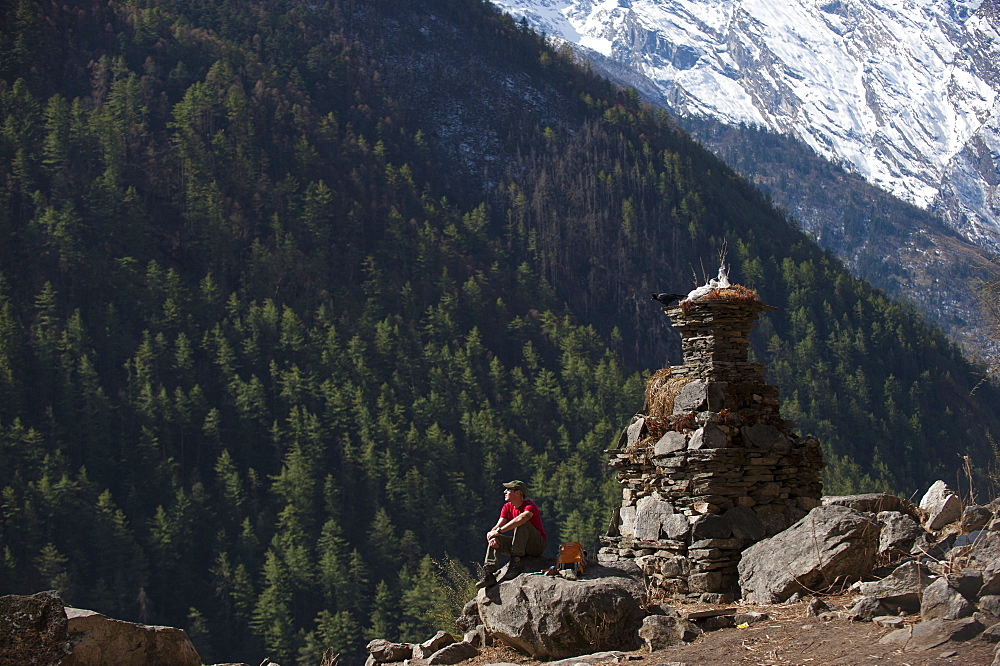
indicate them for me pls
(905, 93)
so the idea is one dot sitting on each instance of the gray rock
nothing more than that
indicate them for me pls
(101, 640)
(745, 523)
(990, 603)
(889, 621)
(477, 637)
(719, 396)
(675, 567)
(384, 652)
(941, 601)
(991, 583)
(626, 515)
(983, 553)
(968, 582)
(715, 623)
(763, 436)
(676, 526)
(650, 514)
(635, 432)
(900, 590)
(671, 442)
(692, 397)
(551, 618)
(595, 658)
(453, 654)
(711, 526)
(33, 629)
(942, 504)
(706, 581)
(426, 649)
(710, 436)
(933, 633)
(899, 532)
(872, 503)
(830, 543)
(817, 607)
(469, 617)
(992, 634)
(975, 517)
(750, 617)
(663, 631)
(866, 609)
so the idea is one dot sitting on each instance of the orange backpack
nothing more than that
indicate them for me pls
(572, 555)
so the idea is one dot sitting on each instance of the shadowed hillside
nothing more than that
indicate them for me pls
(287, 290)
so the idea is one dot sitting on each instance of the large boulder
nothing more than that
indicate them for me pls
(33, 629)
(549, 617)
(99, 640)
(942, 505)
(830, 543)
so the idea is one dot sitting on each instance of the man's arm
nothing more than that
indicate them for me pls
(496, 529)
(521, 519)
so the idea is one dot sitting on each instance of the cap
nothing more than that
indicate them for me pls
(516, 485)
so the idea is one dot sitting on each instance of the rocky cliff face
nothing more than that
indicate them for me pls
(906, 94)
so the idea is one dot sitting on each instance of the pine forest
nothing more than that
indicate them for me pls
(288, 289)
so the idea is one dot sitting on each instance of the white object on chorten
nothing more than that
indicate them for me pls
(719, 282)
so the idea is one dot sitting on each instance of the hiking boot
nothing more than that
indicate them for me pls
(488, 579)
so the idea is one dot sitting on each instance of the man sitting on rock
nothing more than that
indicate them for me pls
(522, 516)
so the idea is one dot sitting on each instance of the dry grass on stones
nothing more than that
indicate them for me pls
(661, 390)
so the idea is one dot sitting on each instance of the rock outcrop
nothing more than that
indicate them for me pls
(948, 570)
(38, 629)
(33, 629)
(831, 543)
(98, 640)
(549, 617)
(441, 649)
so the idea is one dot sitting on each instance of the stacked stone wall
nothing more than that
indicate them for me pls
(718, 474)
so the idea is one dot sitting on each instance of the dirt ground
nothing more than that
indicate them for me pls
(790, 637)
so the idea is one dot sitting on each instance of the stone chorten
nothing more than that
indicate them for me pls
(708, 468)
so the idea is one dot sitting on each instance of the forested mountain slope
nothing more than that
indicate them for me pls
(287, 290)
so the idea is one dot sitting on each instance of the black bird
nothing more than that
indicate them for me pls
(667, 299)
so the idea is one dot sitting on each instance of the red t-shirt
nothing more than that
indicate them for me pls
(509, 512)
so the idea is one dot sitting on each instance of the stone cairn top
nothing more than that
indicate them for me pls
(715, 334)
(708, 467)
